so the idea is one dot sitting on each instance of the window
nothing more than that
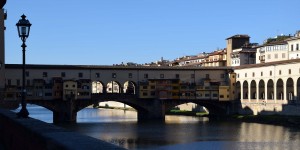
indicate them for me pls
(27, 73)
(207, 76)
(80, 74)
(283, 55)
(152, 87)
(269, 56)
(18, 82)
(130, 75)
(9, 82)
(45, 74)
(162, 76)
(145, 94)
(297, 46)
(152, 93)
(177, 76)
(192, 76)
(253, 74)
(63, 74)
(245, 74)
(146, 76)
(261, 73)
(97, 75)
(48, 94)
(114, 75)
(292, 47)
(279, 72)
(145, 87)
(270, 73)
(290, 71)
(276, 56)
(238, 75)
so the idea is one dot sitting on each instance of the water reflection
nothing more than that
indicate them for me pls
(179, 132)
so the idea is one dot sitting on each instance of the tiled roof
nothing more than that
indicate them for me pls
(239, 36)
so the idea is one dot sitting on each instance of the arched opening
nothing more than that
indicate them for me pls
(173, 113)
(261, 89)
(270, 89)
(298, 89)
(107, 111)
(279, 90)
(129, 87)
(113, 87)
(238, 91)
(290, 89)
(247, 110)
(114, 105)
(245, 90)
(188, 108)
(253, 89)
(97, 87)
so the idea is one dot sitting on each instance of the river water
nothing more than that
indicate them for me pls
(178, 132)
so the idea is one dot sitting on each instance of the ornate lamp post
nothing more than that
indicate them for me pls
(23, 30)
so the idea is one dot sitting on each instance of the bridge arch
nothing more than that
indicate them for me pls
(113, 87)
(130, 87)
(97, 87)
(214, 108)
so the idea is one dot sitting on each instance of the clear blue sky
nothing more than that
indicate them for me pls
(106, 32)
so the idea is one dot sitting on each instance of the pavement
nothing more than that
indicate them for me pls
(1, 146)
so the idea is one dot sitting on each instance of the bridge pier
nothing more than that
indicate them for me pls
(66, 112)
(155, 112)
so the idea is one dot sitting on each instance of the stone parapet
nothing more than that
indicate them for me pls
(31, 134)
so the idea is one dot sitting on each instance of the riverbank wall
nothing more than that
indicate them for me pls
(32, 134)
(263, 108)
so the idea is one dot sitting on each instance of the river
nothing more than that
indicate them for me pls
(178, 132)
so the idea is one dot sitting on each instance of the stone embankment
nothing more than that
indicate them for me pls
(32, 134)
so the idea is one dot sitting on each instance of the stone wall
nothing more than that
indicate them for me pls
(261, 108)
(32, 134)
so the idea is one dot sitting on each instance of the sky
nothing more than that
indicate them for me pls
(107, 32)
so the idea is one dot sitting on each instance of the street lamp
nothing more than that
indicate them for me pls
(23, 30)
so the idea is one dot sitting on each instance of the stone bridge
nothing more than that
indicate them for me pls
(147, 109)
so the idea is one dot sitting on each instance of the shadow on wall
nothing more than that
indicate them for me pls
(246, 111)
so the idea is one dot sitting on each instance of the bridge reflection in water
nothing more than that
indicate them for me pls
(121, 128)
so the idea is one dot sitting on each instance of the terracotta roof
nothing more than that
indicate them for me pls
(239, 36)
